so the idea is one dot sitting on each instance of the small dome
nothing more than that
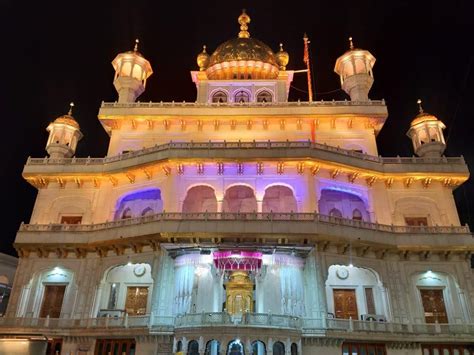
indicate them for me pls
(67, 120)
(423, 117)
(282, 58)
(203, 59)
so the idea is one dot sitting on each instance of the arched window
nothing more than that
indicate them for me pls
(235, 347)
(213, 347)
(278, 348)
(179, 346)
(239, 198)
(356, 215)
(294, 349)
(127, 213)
(279, 199)
(219, 96)
(200, 199)
(193, 348)
(264, 96)
(258, 348)
(242, 96)
(147, 212)
(335, 213)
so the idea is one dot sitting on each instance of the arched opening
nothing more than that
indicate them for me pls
(219, 96)
(127, 213)
(355, 292)
(279, 199)
(147, 212)
(294, 349)
(264, 96)
(235, 347)
(200, 199)
(126, 289)
(134, 203)
(335, 213)
(241, 96)
(258, 348)
(213, 347)
(179, 346)
(239, 198)
(278, 348)
(356, 215)
(193, 348)
(338, 203)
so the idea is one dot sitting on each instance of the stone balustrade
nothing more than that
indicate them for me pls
(254, 216)
(269, 145)
(307, 326)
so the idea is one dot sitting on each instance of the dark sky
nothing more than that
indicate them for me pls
(55, 52)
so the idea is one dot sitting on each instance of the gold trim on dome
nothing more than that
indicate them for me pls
(68, 120)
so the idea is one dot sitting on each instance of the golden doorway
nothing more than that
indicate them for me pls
(239, 290)
(137, 298)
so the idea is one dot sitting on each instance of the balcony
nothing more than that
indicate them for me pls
(247, 150)
(307, 327)
(226, 225)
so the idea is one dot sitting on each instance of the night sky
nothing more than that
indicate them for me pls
(55, 52)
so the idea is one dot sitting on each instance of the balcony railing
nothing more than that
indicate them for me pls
(287, 145)
(151, 104)
(307, 326)
(226, 216)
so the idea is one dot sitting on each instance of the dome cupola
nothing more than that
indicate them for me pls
(243, 57)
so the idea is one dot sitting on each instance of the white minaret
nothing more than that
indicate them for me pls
(426, 133)
(131, 72)
(355, 70)
(64, 133)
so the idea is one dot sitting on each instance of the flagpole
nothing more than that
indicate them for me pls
(308, 73)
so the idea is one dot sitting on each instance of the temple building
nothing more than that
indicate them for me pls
(243, 223)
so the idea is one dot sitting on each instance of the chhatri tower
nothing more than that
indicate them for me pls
(243, 223)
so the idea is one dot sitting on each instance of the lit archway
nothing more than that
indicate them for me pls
(258, 348)
(239, 198)
(135, 203)
(200, 199)
(279, 199)
(338, 203)
(235, 347)
(213, 347)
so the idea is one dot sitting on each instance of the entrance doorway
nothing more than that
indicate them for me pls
(52, 301)
(345, 303)
(433, 305)
(235, 347)
(137, 298)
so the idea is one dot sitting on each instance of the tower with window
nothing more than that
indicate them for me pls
(426, 133)
(64, 134)
(354, 68)
(132, 70)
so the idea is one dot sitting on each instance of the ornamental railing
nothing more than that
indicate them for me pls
(308, 326)
(244, 145)
(161, 104)
(252, 216)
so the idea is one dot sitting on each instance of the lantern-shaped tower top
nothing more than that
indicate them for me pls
(64, 133)
(426, 133)
(355, 70)
(131, 72)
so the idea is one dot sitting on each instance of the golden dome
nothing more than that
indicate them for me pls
(203, 59)
(243, 57)
(423, 117)
(67, 120)
(282, 58)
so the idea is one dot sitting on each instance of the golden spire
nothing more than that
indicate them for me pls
(135, 49)
(282, 58)
(419, 105)
(351, 44)
(203, 59)
(244, 20)
(71, 105)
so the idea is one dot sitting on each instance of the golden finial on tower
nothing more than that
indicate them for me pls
(135, 49)
(419, 105)
(71, 105)
(203, 59)
(282, 58)
(244, 20)
(351, 44)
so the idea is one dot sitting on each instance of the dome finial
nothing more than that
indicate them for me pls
(203, 59)
(282, 58)
(244, 20)
(71, 105)
(351, 44)
(419, 105)
(135, 49)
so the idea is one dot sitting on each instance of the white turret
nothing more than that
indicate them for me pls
(131, 72)
(64, 133)
(426, 133)
(355, 70)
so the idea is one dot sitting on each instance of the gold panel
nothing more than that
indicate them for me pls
(239, 293)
